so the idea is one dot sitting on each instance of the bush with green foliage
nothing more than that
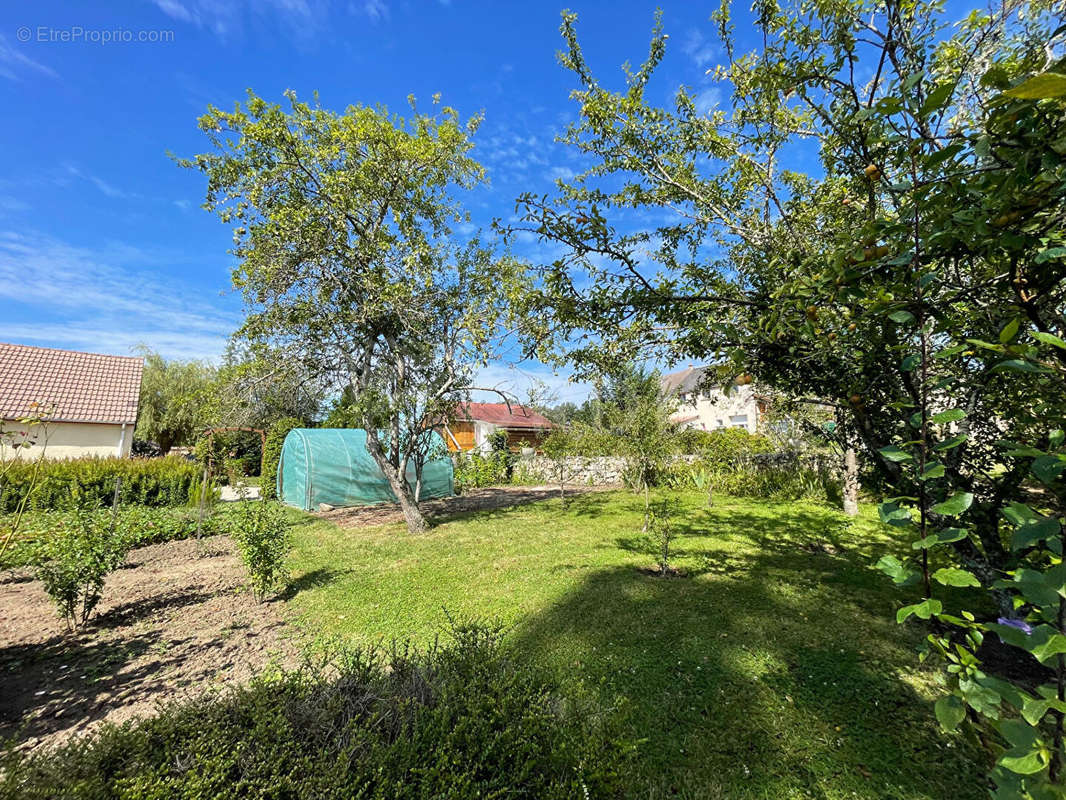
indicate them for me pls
(474, 470)
(137, 526)
(456, 721)
(275, 438)
(263, 541)
(74, 560)
(149, 482)
(723, 446)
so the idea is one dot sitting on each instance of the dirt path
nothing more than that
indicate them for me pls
(486, 499)
(170, 624)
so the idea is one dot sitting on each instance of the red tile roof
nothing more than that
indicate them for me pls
(499, 414)
(68, 386)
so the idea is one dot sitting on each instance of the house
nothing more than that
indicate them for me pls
(703, 405)
(88, 401)
(474, 423)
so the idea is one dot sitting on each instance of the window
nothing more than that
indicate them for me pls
(739, 421)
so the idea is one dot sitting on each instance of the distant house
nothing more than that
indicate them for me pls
(89, 401)
(475, 422)
(701, 404)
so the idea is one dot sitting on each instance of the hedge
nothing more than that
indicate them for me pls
(275, 438)
(148, 482)
(462, 721)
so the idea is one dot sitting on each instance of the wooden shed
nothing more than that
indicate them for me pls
(474, 423)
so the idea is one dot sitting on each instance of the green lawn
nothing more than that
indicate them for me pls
(775, 669)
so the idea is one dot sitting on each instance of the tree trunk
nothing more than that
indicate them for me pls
(851, 483)
(416, 522)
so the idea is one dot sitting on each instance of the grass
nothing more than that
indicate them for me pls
(774, 669)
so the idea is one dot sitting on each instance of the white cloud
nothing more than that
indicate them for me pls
(14, 63)
(697, 48)
(109, 298)
(707, 99)
(10, 205)
(106, 188)
(561, 173)
(224, 17)
(376, 9)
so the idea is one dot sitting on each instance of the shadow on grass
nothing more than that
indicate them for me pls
(774, 673)
(323, 576)
(506, 501)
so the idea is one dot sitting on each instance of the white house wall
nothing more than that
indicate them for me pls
(76, 440)
(738, 409)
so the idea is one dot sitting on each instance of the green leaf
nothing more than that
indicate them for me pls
(954, 505)
(950, 711)
(1040, 87)
(902, 317)
(1050, 254)
(1048, 468)
(951, 415)
(934, 470)
(1010, 330)
(1019, 513)
(900, 574)
(936, 99)
(1036, 588)
(1053, 645)
(909, 363)
(1022, 763)
(892, 514)
(1048, 338)
(1030, 533)
(948, 444)
(894, 453)
(946, 536)
(922, 610)
(950, 351)
(942, 155)
(952, 576)
(1018, 365)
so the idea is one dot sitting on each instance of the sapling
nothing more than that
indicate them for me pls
(74, 559)
(263, 540)
(660, 525)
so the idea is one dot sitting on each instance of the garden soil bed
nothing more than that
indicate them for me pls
(486, 499)
(171, 624)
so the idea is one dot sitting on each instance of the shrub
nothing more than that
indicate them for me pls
(138, 526)
(263, 540)
(459, 721)
(74, 559)
(474, 470)
(275, 438)
(150, 482)
(723, 446)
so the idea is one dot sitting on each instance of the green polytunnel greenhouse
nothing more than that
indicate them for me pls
(332, 465)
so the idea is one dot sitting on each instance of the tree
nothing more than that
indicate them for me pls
(638, 415)
(915, 283)
(341, 225)
(810, 283)
(175, 400)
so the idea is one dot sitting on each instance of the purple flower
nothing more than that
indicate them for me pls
(1021, 625)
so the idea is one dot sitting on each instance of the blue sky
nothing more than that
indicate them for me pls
(103, 245)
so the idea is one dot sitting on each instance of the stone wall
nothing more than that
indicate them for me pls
(582, 470)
